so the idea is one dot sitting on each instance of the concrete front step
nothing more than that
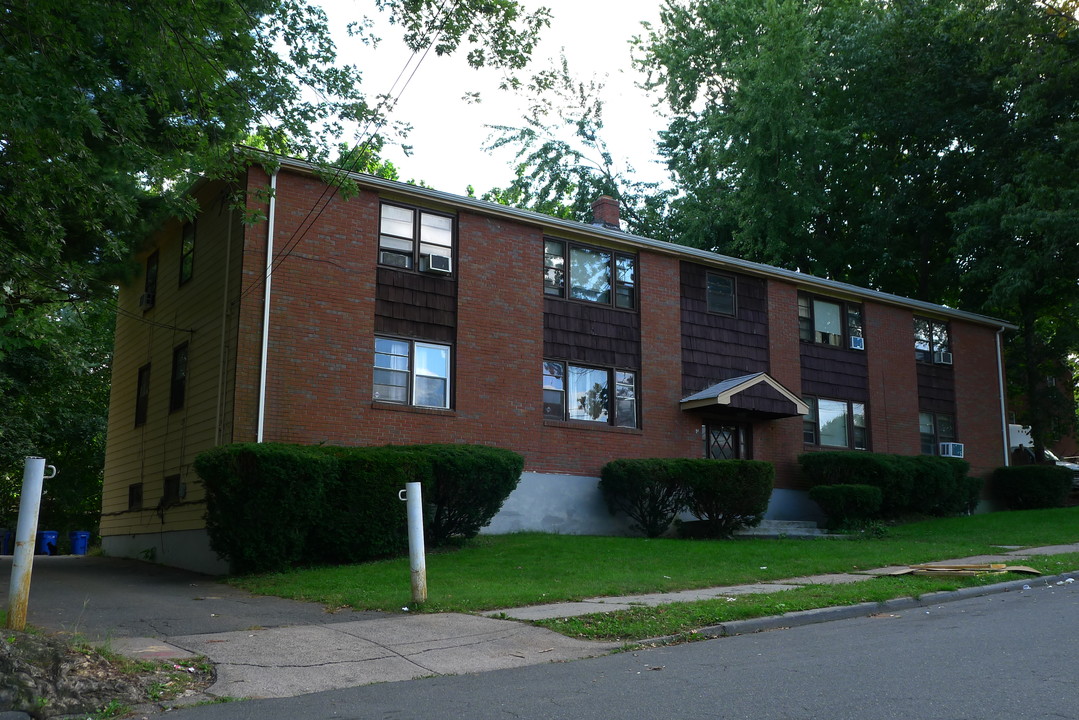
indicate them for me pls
(783, 528)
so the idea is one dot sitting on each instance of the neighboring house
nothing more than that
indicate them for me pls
(406, 315)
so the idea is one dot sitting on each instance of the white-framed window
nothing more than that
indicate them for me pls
(408, 234)
(411, 372)
(826, 321)
(590, 274)
(589, 394)
(934, 429)
(835, 424)
(932, 342)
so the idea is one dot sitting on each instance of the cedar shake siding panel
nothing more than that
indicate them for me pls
(414, 305)
(718, 347)
(592, 335)
(936, 388)
(832, 372)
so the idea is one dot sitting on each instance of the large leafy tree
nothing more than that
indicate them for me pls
(927, 149)
(109, 109)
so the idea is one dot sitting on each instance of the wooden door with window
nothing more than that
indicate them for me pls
(726, 441)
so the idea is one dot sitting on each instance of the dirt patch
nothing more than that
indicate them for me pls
(53, 677)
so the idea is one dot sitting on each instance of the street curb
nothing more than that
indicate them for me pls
(845, 612)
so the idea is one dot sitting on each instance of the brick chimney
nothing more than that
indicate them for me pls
(605, 213)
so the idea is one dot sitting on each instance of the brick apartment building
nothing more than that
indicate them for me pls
(406, 315)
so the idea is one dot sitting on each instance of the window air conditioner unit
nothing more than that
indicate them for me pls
(394, 259)
(954, 450)
(942, 358)
(857, 343)
(146, 301)
(436, 264)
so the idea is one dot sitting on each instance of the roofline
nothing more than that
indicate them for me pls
(668, 248)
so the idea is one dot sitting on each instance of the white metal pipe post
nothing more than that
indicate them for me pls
(417, 561)
(22, 563)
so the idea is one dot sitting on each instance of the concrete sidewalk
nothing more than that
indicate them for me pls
(270, 647)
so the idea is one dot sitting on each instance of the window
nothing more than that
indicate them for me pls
(149, 291)
(935, 428)
(406, 235)
(932, 343)
(178, 386)
(720, 292)
(726, 442)
(410, 372)
(573, 392)
(829, 322)
(594, 274)
(134, 496)
(835, 423)
(142, 395)
(170, 493)
(187, 252)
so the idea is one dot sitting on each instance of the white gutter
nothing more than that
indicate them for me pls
(266, 307)
(669, 248)
(1003, 410)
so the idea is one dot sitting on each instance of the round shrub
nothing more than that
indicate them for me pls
(645, 490)
(847, 505)
(726, 494)
(1029, 487)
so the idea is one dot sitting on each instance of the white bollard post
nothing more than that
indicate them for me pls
(417, 561)
(22, 563)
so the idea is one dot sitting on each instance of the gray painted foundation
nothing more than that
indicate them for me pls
(573, 505)
(188, 549)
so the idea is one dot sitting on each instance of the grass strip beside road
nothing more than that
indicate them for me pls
(502, 571)
(684, 619)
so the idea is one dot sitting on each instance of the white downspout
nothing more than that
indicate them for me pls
(1003, 410)
(224, 332)
(266, 308)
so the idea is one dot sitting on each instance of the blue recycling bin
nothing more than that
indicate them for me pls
(80, 541)
(46, 542)
(7, 542)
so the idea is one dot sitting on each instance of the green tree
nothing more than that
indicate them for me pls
(563, 161)
(109, 110)
(926, 149)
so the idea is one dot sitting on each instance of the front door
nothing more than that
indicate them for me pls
(726, 442)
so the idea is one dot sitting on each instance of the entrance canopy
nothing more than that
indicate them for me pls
(758, 395)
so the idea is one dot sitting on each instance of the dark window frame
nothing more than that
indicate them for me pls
(170, 491)
(134, 496)
(188, 234)
(937, 338)
(709, 275)
(851, 316)
(416, 241)
(857, 435)
(616, 378)
(178, 379)
(410, 372)
(142, 395)
(622, 294)
(933, 439)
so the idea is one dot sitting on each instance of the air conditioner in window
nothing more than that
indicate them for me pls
(394, 259)
(146, 301)
(857, 343)
(436, 264)
(954, 450)
(942, 358)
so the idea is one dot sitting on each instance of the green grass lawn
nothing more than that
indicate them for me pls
(502, 571)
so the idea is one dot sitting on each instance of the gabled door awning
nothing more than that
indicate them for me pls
(757, 394)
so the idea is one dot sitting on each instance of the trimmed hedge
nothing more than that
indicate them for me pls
(1029, 487)
(726, 494)
(263, 501)
(273, 506)
(645, 490)
(847, 505)
(908, 483)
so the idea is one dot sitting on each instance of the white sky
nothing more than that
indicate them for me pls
(448, 133)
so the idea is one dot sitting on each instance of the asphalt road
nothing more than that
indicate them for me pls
(1010, 655)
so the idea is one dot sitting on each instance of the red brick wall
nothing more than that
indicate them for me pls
(780, 441)
(979, 422)
(893, 380)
